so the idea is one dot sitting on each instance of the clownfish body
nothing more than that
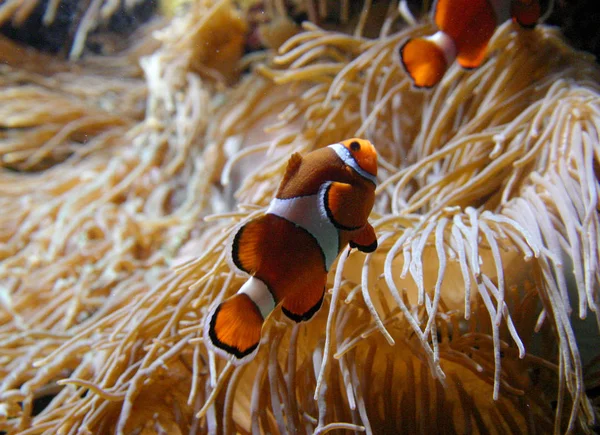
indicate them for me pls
(465, 28)
(321, 206)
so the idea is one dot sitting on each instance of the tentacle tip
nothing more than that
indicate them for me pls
(496, 151)
(499, 138)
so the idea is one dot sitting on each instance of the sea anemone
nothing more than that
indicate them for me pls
(74, 26)
(120, 191)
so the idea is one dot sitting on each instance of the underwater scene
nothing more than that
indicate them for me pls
(299, 217)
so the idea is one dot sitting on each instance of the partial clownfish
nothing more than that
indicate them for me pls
(321, 206)
(465, 28)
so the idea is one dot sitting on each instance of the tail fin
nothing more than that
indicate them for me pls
(427, 59)
(233, 328)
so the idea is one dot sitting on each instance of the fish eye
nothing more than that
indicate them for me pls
(355, 146)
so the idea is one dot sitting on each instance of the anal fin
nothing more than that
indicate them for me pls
(473, 47)
(303, 305)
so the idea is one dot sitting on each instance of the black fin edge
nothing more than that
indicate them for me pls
(306, 316)
(368, 249)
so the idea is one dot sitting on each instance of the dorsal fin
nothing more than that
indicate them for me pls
(292, 167)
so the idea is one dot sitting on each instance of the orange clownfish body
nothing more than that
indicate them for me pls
(465, 28)
(321, 206)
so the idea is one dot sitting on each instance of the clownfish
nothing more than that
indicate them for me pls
(322, 204)
(465, 28)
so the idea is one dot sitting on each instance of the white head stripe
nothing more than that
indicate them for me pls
(346, 156)
(260, 295)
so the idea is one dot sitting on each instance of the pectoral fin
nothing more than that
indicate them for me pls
(347, 206)
(365, 239)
